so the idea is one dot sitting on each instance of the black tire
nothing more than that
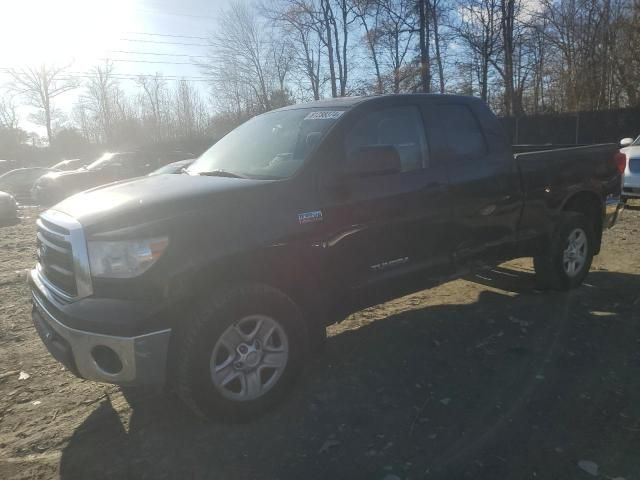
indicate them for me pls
(206, 323)
(550, 266)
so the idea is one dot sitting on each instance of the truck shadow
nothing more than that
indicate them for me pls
(493, 388)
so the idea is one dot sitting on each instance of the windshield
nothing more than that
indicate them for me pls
(636, 141)
(270, 146)
(101, 162)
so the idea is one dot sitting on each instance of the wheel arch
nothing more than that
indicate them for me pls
(591, 205)
(276, 269)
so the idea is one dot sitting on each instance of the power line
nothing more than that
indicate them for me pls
(166, 43)
(156, 10)
(151, 61)
(123, 76)
(159, 54)
(133, 79)
(166, 35)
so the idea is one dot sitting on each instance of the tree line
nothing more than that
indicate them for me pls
(521, 57)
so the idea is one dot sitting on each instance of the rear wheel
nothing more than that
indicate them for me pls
(239, 353)
(567, 260)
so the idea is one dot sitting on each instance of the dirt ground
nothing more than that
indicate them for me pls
(483, 378)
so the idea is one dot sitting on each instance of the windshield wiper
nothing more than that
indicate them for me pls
(221, 173)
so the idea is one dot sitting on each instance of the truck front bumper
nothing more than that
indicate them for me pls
(138, 360)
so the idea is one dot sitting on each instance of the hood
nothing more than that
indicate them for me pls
(150, 199)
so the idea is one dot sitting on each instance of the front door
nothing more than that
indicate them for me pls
(380, 228)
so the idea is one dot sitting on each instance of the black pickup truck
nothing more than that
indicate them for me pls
(219, 281)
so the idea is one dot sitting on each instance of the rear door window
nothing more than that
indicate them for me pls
(457, 132)
(401, 127)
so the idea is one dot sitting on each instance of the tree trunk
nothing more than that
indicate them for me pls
(345, 42)
(425, 68)
(329, 43)
(46, 103)
(436, 41)
(507, 19)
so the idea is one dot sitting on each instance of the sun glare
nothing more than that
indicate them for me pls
(60, 31)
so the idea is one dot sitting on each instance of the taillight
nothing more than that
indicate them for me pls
(621, 162)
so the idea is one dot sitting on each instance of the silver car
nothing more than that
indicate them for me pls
(631, 182)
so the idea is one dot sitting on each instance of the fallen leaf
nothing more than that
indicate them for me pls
(327, 445)
(588, 466)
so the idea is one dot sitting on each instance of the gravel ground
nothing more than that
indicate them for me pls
(481, 378)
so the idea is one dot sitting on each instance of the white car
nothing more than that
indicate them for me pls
(631, 181)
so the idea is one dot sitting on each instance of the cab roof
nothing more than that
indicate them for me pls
(349, 102)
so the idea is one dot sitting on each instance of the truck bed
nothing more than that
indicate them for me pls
(548, 172)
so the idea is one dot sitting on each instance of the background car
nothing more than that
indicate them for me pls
(175, 167)
(20, 181)
(71, 164)
(8, 207)
(631, 180)
(110, 167)
(6, 165)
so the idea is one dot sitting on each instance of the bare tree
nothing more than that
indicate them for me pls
(8, 113)
(298, 22)
(479, 30)
(396, 37)
(425, 60)
(507, 21)
(368, 12)
(39, 86)
(188, 111)
(437, 10)
(627, 57)
(99, 99)
(153, 100)
(241, 48)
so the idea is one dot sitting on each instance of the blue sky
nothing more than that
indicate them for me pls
(85, 32)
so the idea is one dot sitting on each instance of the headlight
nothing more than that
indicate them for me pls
(125, 259)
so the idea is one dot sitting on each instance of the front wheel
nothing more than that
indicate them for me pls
(239, 352)
(567, 260)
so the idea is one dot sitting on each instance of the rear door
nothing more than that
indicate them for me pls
(382, 227)
(483, 178)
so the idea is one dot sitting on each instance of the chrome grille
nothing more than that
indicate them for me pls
(63, 264)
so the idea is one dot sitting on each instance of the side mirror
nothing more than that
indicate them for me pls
(372, 161)
(625, 142)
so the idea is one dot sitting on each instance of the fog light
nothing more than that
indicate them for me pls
(107, 359)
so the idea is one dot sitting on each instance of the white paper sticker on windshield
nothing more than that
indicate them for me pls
(324, 115)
